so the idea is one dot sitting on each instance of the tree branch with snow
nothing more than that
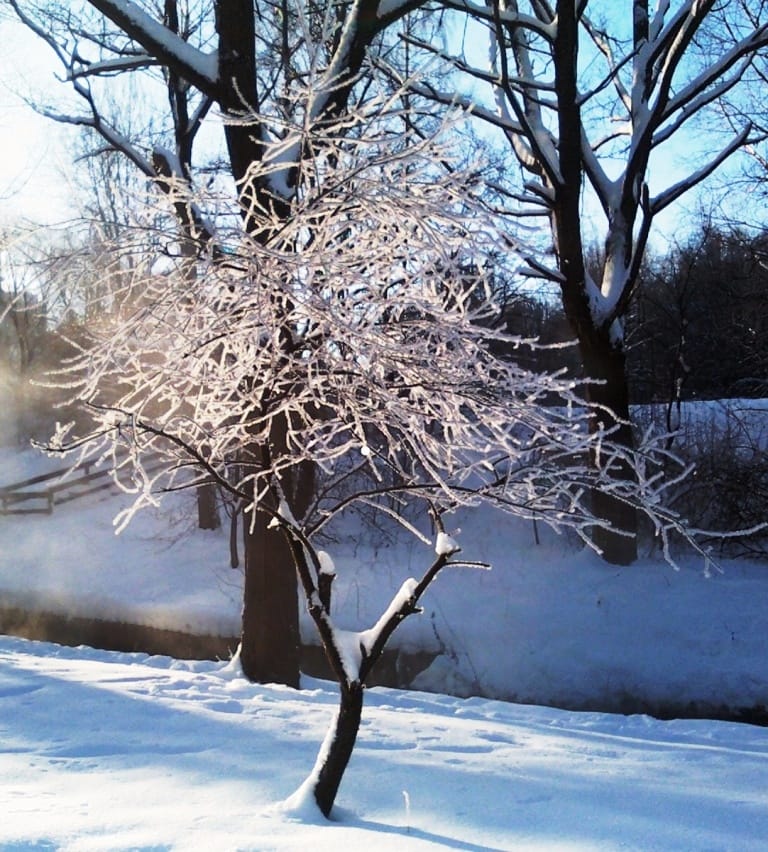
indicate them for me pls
(586, 106)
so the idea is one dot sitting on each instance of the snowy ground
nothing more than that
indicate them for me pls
(114, 751)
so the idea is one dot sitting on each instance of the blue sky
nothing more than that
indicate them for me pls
(38, 153)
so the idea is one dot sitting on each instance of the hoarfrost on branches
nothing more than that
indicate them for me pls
(359, 335)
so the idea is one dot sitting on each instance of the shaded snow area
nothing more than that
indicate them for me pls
(102, 751)
(549, 624)
(155, 573)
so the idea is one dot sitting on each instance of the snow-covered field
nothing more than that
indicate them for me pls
(113, 751)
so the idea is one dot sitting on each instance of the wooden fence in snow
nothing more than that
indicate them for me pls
(39, 494)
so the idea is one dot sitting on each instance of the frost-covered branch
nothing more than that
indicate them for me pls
(359, 335)
(344, 330)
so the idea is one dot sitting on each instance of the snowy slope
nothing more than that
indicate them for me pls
(102, 751)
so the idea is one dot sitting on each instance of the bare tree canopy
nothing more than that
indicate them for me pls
(277, 76)
(589, 97)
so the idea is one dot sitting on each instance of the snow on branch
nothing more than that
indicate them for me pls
(199, 68)
(115, 65)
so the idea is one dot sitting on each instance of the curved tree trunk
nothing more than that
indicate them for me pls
(339, 743)
(338, 746)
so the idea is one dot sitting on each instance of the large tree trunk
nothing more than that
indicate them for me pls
(207, 511)
(339, 745)
(270, 639)
(605, 362)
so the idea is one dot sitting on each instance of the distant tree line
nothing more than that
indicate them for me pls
(696, 327)
(698, 324)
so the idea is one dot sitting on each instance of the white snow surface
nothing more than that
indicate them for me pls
(445, 545)
(102, 751)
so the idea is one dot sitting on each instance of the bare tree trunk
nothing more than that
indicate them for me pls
(207, 511)
(606, 363)
(604, 359)
(270, 640)
(340, 746)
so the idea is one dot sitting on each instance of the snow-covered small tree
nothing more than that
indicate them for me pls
(358, 334)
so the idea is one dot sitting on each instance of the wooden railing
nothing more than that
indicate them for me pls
(15, 499)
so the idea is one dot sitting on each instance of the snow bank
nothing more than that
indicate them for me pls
(123, 751)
